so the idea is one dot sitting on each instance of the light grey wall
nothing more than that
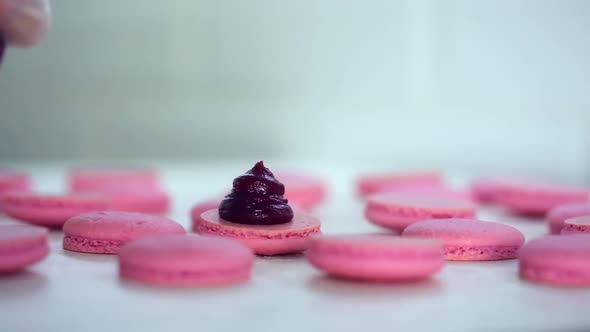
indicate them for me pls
(485, 84)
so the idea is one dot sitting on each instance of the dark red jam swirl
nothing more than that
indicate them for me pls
(256, 199)
(2, 46)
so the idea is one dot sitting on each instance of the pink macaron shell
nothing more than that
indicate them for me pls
(557, 260)
(556, 217)
(263, 239)
(51, 210)
(470, 239)
(97, 179)
(532, 198)
(104, 232)
(185, 261)
(577, 225)
(375, 257)
(12, 182)
(201, 207)
(385, 182)
(305, 190)
(137, 200)
(434, 191)
(485, 189)
(399, 210)
(21, 246)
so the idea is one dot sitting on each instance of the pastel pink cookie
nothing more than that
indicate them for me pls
(139, 200)
(104, 232)
(470, 239)
(21, 246)
(485, 189)
(267, 240)
(97, 179)
(185, 261)
(557, 260)
(399, 210)
(51, 210)
(305, 190)
(577, 225)
(377, 183)
(434, 191)
(375, 257)
(11, 182)
(537, 198)
(557, 216)
(201, 207)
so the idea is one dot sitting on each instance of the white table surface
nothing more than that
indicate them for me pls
(81, 292)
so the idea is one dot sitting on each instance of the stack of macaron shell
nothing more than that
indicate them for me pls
(185, 261)
(470, 239)
(537, 198)
(21, 246)
(392, 181)
(397, 211)
(577, 225)
(130, 189)
(52, 210)
(556, 217)
(557, 260)
(303, 189)
(104, 232)
(381, 258)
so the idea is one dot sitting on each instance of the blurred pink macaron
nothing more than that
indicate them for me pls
(12, 182)
(537, 198)
(380, 258)
(266, 240)
(303, 189)
(557, 260)
(470, 239)
(399, 210)
(52, 210)
(577, 225)
(21, 246)
(93, 179)
(104, 232)
(556, 217)
(185, 261)
(485, 189)
(384, 182)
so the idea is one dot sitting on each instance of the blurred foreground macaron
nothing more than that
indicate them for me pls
(21, 246)
(382, 258)
(557, 260)
(185, 261)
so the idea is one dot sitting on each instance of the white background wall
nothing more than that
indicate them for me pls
(487, 85)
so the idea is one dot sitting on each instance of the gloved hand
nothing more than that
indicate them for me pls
(23, 23)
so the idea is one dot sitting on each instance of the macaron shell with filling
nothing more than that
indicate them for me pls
(263, 239)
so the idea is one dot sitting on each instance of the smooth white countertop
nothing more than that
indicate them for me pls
(81, 292)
